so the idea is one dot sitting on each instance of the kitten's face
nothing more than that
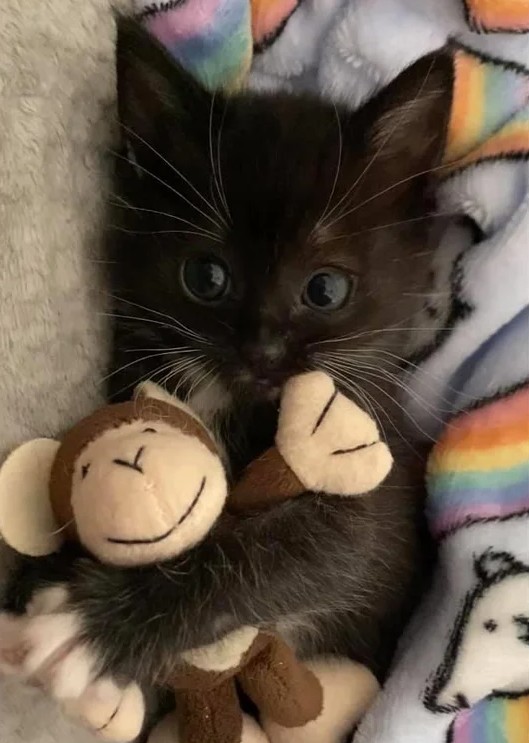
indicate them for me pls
(267, 235)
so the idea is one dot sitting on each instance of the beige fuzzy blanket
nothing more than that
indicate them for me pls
(56, 114)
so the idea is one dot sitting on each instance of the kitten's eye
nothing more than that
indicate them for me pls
(149, 430)
(328, 289)
(205, 279)
(84, 470)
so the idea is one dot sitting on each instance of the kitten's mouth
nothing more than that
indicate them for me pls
(268, 388)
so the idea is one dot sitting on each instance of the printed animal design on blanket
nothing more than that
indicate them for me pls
(488, 652)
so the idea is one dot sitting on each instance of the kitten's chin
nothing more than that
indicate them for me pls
(256, 389)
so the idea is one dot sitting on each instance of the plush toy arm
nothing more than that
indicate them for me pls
(330, 444)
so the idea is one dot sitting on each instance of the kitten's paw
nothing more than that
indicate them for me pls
(113, 712)
(13, 649)
(42, 647)
(47, 601)
(331, 444)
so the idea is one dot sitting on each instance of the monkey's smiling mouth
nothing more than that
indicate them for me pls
(161, 537)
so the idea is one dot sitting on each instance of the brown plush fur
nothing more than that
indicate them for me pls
(265, 481)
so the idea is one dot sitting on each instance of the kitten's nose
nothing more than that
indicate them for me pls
(265, 357)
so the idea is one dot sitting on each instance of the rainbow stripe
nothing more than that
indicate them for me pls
(268, 17)
(210, 38)
(490, 111)
(493, 721)
(479, 470)
(498, 15)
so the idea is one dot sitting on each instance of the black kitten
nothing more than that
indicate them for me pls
(257, 229)
(261, 236)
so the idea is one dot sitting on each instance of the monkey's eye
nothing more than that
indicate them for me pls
(149, 430)
(84, 470)
(490, 625)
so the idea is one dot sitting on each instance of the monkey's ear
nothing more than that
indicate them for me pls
(27, 522)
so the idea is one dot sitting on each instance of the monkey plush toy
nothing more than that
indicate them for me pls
(142, 482)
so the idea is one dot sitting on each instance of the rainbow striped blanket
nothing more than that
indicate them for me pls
(462, 675)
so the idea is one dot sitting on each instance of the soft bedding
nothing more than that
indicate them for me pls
(56, 124)
(462, 673)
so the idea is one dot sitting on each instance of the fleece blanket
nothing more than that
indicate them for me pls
(56, 113)
(462, 673)
(56, 91)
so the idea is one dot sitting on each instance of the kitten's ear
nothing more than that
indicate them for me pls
(153, 90)
(411, 116)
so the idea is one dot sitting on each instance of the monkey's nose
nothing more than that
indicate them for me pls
(135, 465)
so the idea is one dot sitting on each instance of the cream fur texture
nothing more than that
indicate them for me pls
(56, 113)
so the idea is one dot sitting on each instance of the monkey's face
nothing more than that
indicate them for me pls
(144, 492)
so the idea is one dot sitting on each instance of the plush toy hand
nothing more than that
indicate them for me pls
(41, 648)
(327, 440)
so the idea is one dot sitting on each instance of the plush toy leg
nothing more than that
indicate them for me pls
(167, 731)
(210, 715)
(348, 691)
(281, 687)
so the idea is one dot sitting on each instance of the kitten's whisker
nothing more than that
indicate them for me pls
(377, 365)
(347, 383)
(346, 373)
(222, 194)
(199, 381)
(206, 235)
(396, 329)
(169, 215)
(180, 369)
(384, 191)
(135, 361)
(210, 142)
(360, 393)
(174, 169)
(147, 376)
(62, 528)
(422, 370)
(337, 174)
(174, 322)
(175, 349)
(170, 188)
(167, 326)
(398, 404)
(398, 121)
(389, 225)
(381, 373)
